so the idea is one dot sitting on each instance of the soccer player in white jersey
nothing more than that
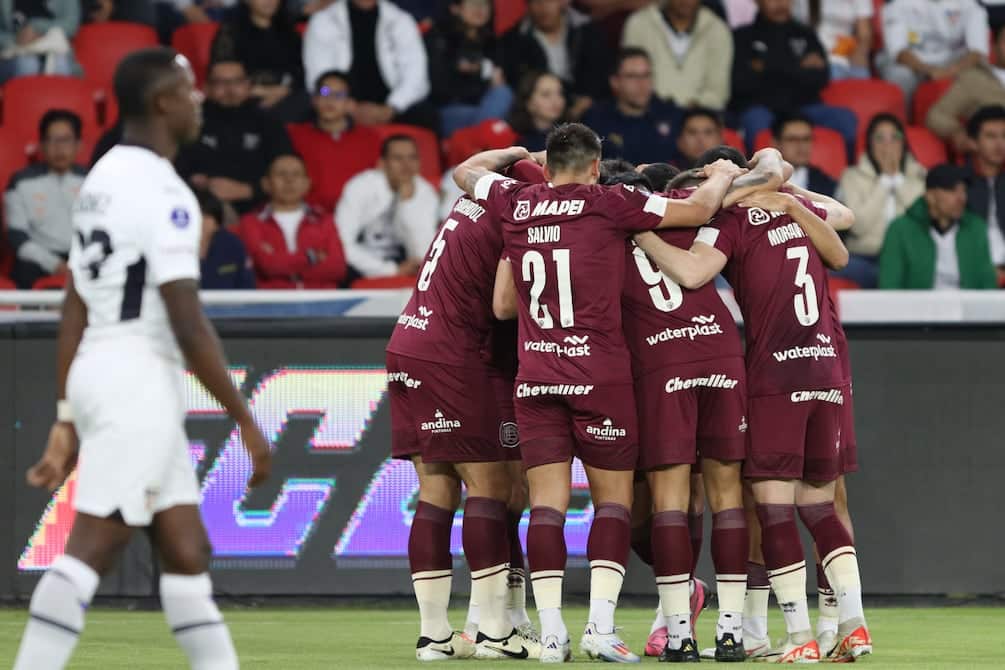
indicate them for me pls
(130, 315)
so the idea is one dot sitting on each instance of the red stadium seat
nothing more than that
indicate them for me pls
(466, 142)
(13, 157)
(99, 47)
(7, 284)
(733, 139)
(429, 148)
(926, 146)
(508, 14)
(927, 95)
(50, 282)
(828, 149)
(866, 98)
(194, 41)
(27, 99)
(384, 282)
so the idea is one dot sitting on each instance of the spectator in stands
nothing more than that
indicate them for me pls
(937, 243)
(700, 130)
(387, 216)
(39, 200)
(986, 187)
(539, 105)
(691, 50)
(486, 136)
(224, 263)
(238, 140)
(793, 136)
(558, 39)
(931, 40)
(844, 27)
(199, 11)
(636, 125)
(292, 245)
(976, 87)
(379, 45)
(260, 35)
(333, 148)
(884, 183)
(133, 11)
(464, 67)
(780, 66)
(35, 37)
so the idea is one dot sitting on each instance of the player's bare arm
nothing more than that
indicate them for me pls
(705, 201)
(61, 452)
(767, 173)
(467, 174)
(839, 216)
(198, 341)
(823, 237)
(691, 268)
(504, 301)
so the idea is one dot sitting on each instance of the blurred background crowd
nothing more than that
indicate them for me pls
(330, 126)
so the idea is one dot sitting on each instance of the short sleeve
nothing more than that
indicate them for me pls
(489, 185)
(722, 232)
(633, 210)
(172, 251)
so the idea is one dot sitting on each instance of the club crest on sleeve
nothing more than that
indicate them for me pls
(180, 218)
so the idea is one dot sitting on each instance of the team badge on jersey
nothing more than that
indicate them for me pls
(180, 218)
(509, 435)
(757, 216)
(522, 210)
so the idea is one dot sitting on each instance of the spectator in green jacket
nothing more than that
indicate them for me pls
(937, 243)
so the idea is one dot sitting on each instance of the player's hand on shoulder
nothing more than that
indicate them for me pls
(59, 458)
(772, 201)
(258, 450)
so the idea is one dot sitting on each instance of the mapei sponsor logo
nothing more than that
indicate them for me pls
(440, 424)
(704, 326)
(783, 234)
(816, 352)
(716, 381)
(574, 347)
(823, 338)
(607, 431)
(835, 396)
(525, 390)
(404, 379)
(559, 208)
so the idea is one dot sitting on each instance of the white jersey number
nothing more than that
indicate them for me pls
(439, 246)
(674, 295)
(535, 272)
(805, 303)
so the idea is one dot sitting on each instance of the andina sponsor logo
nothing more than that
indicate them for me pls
(607, 431)
(440, 424)
(816, 352)
(704, 326)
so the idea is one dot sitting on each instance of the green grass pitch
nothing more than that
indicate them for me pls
(364, 638)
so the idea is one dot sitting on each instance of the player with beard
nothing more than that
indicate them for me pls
(797, 387)
(448, 415)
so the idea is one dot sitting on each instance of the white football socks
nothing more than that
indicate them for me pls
(196, 622)
(516, 606)
(432, 593)
(57, 615)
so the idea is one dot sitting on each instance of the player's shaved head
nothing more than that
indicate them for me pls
(572, 148)
(141, 76)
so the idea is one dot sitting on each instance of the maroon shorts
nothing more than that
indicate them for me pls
(443, 413)
(509, 435)
(597, 423)
(849, 442)
(796, 435)
(691, 411)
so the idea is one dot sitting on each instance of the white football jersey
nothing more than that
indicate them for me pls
(137, 225)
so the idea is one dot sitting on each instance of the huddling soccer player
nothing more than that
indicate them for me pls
(565, 242)
(451, 415)
(774, 248)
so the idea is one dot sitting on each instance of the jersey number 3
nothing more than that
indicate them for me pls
(805, 303)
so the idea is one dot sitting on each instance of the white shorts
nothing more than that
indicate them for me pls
(129, 412)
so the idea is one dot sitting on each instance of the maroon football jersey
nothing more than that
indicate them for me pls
(781, 286)
(567, 247)
(449, 316)
(665, 324)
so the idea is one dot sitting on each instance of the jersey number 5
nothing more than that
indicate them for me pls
(439, 246)
(534, 271)
(805, 303)
(674, 296)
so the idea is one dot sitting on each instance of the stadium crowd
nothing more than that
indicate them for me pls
(330, 125)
